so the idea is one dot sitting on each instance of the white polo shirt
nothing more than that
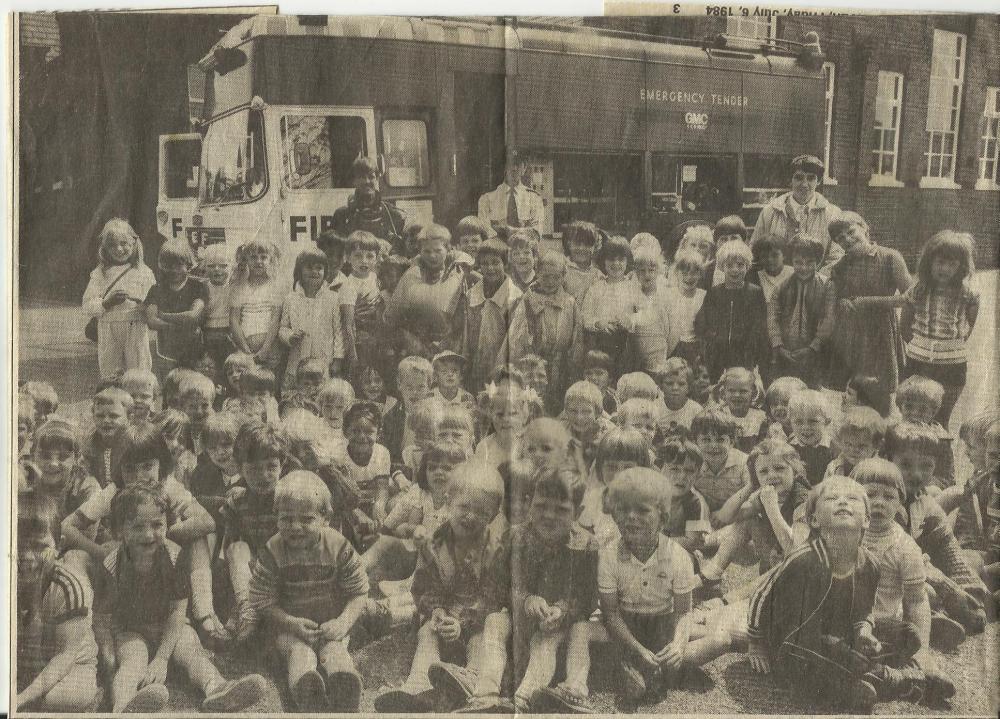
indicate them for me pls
(645, 587)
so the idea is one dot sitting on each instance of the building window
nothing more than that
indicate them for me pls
(944, 105)
(989, 152)
(885, 137)
(830, 76)
(754, 28)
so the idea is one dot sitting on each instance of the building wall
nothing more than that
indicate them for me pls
(905, 216)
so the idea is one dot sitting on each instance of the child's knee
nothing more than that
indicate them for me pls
(497, 626)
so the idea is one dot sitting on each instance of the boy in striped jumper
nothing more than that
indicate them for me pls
(309, 587)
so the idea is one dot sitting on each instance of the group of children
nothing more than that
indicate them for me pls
(290, 479)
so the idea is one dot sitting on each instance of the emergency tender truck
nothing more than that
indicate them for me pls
(631, 132)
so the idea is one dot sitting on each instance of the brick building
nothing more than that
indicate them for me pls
(913, 113)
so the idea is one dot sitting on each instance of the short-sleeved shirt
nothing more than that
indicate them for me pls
(645, 587)
(173, 342)
(248, 517)
(141, 601)
(718, 487)
(258, 306)
(901, 566)
(357, 289)
(217, 307)
(180, 502)
(675, 422)
(379, 465)
(66, 597)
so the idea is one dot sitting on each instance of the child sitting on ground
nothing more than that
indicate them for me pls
(413, 380)
(144, 390)
(583, 412)
(508, 417)
(620, 449)
(919, 401)
(977, 526)
(674, 380)
(859, 437)
(760, 512)
(457, 426)
(196, 397)
(554, 583)
(724, 470)
(145, 590)
(648, 627)
(44, 400)
(690, 517)
(234, 366)
(369, 386)
(904, 623)
(175, 428)
(809, 418)
(335, 397)
(248, 517)
(597, 370)
(776, 398)
(110, 409)
(57, 652)
(461, 589)
(448, 367)
(60, 476)
(640, 415)
(369, 465)
(256, 397)
(958, 590)
(309, 588)
(811, 623)
(738, 390)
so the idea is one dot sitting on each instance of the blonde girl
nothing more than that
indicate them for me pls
(114, 295)
(255, 302)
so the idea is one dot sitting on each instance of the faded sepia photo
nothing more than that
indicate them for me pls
(634, 364)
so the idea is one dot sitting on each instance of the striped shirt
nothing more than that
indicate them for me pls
(316, 582)
(942, 321)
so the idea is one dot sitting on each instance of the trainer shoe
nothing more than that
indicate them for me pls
(864, 697)
(309, 693)
(235, 695)
(560, 700)
(454, 682)
(400, 701)
(343, 691)
(633, 683)
(487, 704)
(946, 633)
(151, 699)
(938, 689)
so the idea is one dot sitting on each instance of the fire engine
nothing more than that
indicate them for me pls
(629, 131)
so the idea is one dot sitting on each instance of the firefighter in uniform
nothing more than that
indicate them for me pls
(512, 205)
(366, 210)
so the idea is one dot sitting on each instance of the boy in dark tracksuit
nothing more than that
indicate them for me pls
(811, 620)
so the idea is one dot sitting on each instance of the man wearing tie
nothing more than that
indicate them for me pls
(511, 205)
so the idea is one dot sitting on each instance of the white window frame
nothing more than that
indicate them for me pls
(944, 62)
(990, 135)
(735, 26)
(830, 79)
(892, 100)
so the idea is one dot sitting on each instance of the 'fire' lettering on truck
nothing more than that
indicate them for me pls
(297, 225)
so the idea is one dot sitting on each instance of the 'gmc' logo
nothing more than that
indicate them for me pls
(696, 120)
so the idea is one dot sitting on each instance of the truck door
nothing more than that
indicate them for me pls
(180, 161)
(317, 146)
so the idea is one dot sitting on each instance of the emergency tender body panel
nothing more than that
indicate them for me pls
(627, 132)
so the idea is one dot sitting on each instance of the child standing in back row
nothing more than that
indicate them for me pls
(940, 313)
(310, 317)
(360, 299)
(114, 295)
(255, 302)
(732, 321)
(175, 305)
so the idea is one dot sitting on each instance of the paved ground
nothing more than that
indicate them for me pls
(52, 347)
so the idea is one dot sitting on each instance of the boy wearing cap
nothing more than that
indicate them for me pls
(803, 211)
(448, 388)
